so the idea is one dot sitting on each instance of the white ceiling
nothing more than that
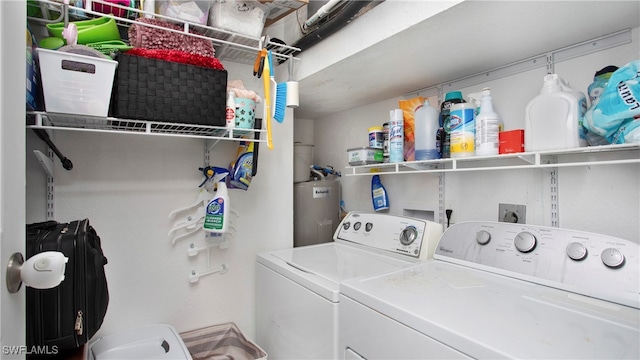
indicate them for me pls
(361, 64)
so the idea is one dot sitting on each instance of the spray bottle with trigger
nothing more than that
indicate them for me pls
(218, 209)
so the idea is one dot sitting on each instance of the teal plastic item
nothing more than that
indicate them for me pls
(457, 95)
(90, 31)
(615, 115)
(379, 194)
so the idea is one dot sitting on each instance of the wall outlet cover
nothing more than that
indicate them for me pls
(512, 213)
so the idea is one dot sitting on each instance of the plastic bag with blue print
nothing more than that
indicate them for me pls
(616, 116)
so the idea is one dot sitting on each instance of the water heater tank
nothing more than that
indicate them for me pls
(316, 211)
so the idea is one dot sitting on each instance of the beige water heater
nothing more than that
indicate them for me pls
(316, 211)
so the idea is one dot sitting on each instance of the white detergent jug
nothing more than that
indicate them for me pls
(553, 118)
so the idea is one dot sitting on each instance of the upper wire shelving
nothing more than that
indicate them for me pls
(228, 45)
(57, 121)
(583, 156)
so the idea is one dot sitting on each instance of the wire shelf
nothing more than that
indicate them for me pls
(228, 45)
(57, 121)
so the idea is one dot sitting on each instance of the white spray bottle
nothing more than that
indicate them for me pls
(218, 210)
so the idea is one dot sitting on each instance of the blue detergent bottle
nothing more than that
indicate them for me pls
(379, 194)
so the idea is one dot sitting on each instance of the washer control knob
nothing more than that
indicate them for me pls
(525, 242)
(576, 251)
(483, 237)
(368, 227)
(612, 258)
(357, 225)
(408, 235)
(346, 225)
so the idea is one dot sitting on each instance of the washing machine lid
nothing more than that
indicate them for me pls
(152, 342)
(322, 267)
(486, 315)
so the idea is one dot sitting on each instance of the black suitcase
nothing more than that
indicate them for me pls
(67, 316)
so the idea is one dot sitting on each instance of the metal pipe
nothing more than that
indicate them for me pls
(341, 17)
(321, 13)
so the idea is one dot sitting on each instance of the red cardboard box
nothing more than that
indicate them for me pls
(511, 141)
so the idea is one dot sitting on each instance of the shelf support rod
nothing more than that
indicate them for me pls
(555, 220)
(51, 207)
(441, 205)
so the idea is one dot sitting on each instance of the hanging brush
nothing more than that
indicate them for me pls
(280, 96)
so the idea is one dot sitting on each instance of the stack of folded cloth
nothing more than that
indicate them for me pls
(143, 36)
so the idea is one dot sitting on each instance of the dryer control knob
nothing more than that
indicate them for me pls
(612, 258)
(576, 251)
(525, 242)
(408, 235)
(483, 237)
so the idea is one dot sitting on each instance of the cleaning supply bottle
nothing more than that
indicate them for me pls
(218, 210)
(230, 111)
(487, 126)
(476, 99)
(426, 130)
(444, 133)
(379, 194)
(462, 130)
(552, 119)
(396, 136)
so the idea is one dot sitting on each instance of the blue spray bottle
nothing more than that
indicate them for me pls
(379, 194)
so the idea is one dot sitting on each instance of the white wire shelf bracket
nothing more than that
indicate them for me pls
(57, 121)
(229, 45)
(585, 156)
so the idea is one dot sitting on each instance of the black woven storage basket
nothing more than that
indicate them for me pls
(152, 89)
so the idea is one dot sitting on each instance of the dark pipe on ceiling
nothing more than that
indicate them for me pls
(335, 21)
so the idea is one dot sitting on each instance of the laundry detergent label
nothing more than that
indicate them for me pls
(214, 218)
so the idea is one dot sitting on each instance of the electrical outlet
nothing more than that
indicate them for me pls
(512, 213)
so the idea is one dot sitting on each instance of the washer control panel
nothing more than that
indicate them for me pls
(408, 236)
(590, 264)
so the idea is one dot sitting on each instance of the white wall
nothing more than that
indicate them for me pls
(603, 199)
(128, 184)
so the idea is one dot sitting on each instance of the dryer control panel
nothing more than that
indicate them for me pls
(407, 236)
(590, 264)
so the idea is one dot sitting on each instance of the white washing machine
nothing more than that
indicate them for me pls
(297, 290)
(499, 290)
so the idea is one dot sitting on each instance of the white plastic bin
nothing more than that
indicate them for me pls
(224, 341)
(148, 342)
(76, 84)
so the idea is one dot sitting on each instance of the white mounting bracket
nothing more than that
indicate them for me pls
(195, 276)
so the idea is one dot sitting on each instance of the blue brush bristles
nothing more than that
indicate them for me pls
(281, 102)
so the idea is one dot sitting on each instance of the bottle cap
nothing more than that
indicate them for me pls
(453, 95)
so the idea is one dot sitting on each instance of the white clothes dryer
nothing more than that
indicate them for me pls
(501, 290)
(297, 290)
